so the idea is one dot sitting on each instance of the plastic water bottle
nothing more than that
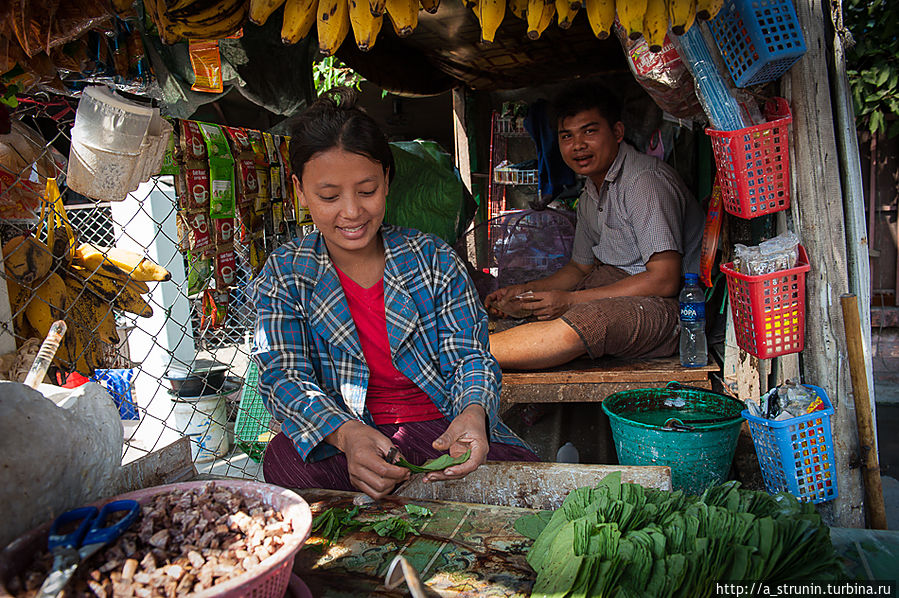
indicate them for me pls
(693, 351)
(567, 453)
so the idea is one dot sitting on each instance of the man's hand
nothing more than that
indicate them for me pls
(547, 305)
(467, 431)
(365, 449)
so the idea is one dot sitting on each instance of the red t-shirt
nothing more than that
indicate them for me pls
(392, 398)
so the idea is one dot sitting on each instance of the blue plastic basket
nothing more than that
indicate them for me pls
(759, 40)
(797, 454)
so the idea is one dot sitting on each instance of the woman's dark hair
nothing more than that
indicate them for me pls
(582, 96)
(334, 121)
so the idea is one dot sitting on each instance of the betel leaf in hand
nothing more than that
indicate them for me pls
(438, 464)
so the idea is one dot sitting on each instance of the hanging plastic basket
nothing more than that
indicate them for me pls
(769, 309)
(759, 40)
(754, 164)
(797, 454)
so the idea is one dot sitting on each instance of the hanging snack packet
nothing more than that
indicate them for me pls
(278, 218)
(257, 253)
(710, 235)
(206, 61)
(169, 164)
(225, 268)
(191, 145)
(214, 309)
(193, 230)
(263, 195)
(239, 141)
(221, 171)
(193, 189)
(274, 163)
(199, 271)
(224, 231)
(286, 181)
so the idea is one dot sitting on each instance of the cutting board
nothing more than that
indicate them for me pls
(465, 550)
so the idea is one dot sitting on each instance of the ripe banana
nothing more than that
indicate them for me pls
(707, 9)
(366, 26)
(490, 13)
(48, 304)
(27, 259)
(430, 6)
(540, 15)
(18, 301)
(156, 11)
(261, 10)
(137, 285)
(519, 8)
(333, 24)
(299, 16)
(377, 7)
(601, 15)
(565, 12)
(134, 265)
(123, 296)
(630, 14)
(220, 21)
(404, 16)
(681, 14)
(91, 316)
(655, 24)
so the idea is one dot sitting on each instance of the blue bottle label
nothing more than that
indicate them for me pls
(692, 312)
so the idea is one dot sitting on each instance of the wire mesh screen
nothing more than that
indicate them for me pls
(142, 340)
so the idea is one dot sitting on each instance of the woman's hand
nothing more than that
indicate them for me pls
(365, 449)
(467, 431)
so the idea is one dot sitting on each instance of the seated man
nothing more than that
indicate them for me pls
(638, 229)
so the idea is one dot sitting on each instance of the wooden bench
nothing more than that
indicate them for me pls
(591, 381)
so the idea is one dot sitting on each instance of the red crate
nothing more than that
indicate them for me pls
(754, 164)
(769, 309)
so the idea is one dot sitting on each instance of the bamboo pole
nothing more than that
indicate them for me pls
(863, 413)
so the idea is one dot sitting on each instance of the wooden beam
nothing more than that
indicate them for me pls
(818, 217)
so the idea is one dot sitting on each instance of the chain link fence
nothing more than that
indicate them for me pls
(227, 424)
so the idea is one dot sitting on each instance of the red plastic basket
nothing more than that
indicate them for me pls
(754, 164)
(769, 310)
(268, 580)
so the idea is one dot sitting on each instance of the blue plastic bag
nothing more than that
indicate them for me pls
(118, 383)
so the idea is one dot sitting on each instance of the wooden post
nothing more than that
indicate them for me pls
(818, 217)
(867, 437)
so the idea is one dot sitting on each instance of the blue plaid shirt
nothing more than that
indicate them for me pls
(313, 375)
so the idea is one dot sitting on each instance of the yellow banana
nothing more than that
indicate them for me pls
(138, 286)
(92, 316)
(221, 21)
(404, 16)
(299, 16)
(601, 15)
(565, 11)
(134, 265)
(655, 24)
(366, 26)
(519, 8)
(125, 297)
(540, 15)
(18, 301)
(261, 10)
(707, 9)
(681, 14)
(430, 6)
(630, 13)
(377, 7)
(48, 304)
(490, 13)
(27, 259)
(156, 11)
(333, 24)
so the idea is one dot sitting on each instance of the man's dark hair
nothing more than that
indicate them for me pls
(334, 121)
(581, 96)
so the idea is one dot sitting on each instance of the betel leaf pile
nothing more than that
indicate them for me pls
(438, 464)
(337, 522)
(624, 540)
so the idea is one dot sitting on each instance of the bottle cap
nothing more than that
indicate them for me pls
(691, 277)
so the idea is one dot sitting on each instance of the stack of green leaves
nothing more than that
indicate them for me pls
(438, 464)
(337, 522)
(624, 540)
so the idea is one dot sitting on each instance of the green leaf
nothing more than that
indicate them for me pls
(419, 511)
(531, 526)
(438, 464)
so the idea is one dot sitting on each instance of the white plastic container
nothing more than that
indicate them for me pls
(202, 419)
(110, 122)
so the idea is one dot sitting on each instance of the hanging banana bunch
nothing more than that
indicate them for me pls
(601, 16)
(299, 16)
(261, 10)
(201, 19)
(655, 24)
(707, 9)
(566, 9)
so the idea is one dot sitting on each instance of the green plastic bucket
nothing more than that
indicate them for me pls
(691, 430)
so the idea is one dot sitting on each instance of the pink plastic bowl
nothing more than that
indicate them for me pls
(268, 580)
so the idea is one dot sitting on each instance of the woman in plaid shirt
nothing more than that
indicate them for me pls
(370, 339)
